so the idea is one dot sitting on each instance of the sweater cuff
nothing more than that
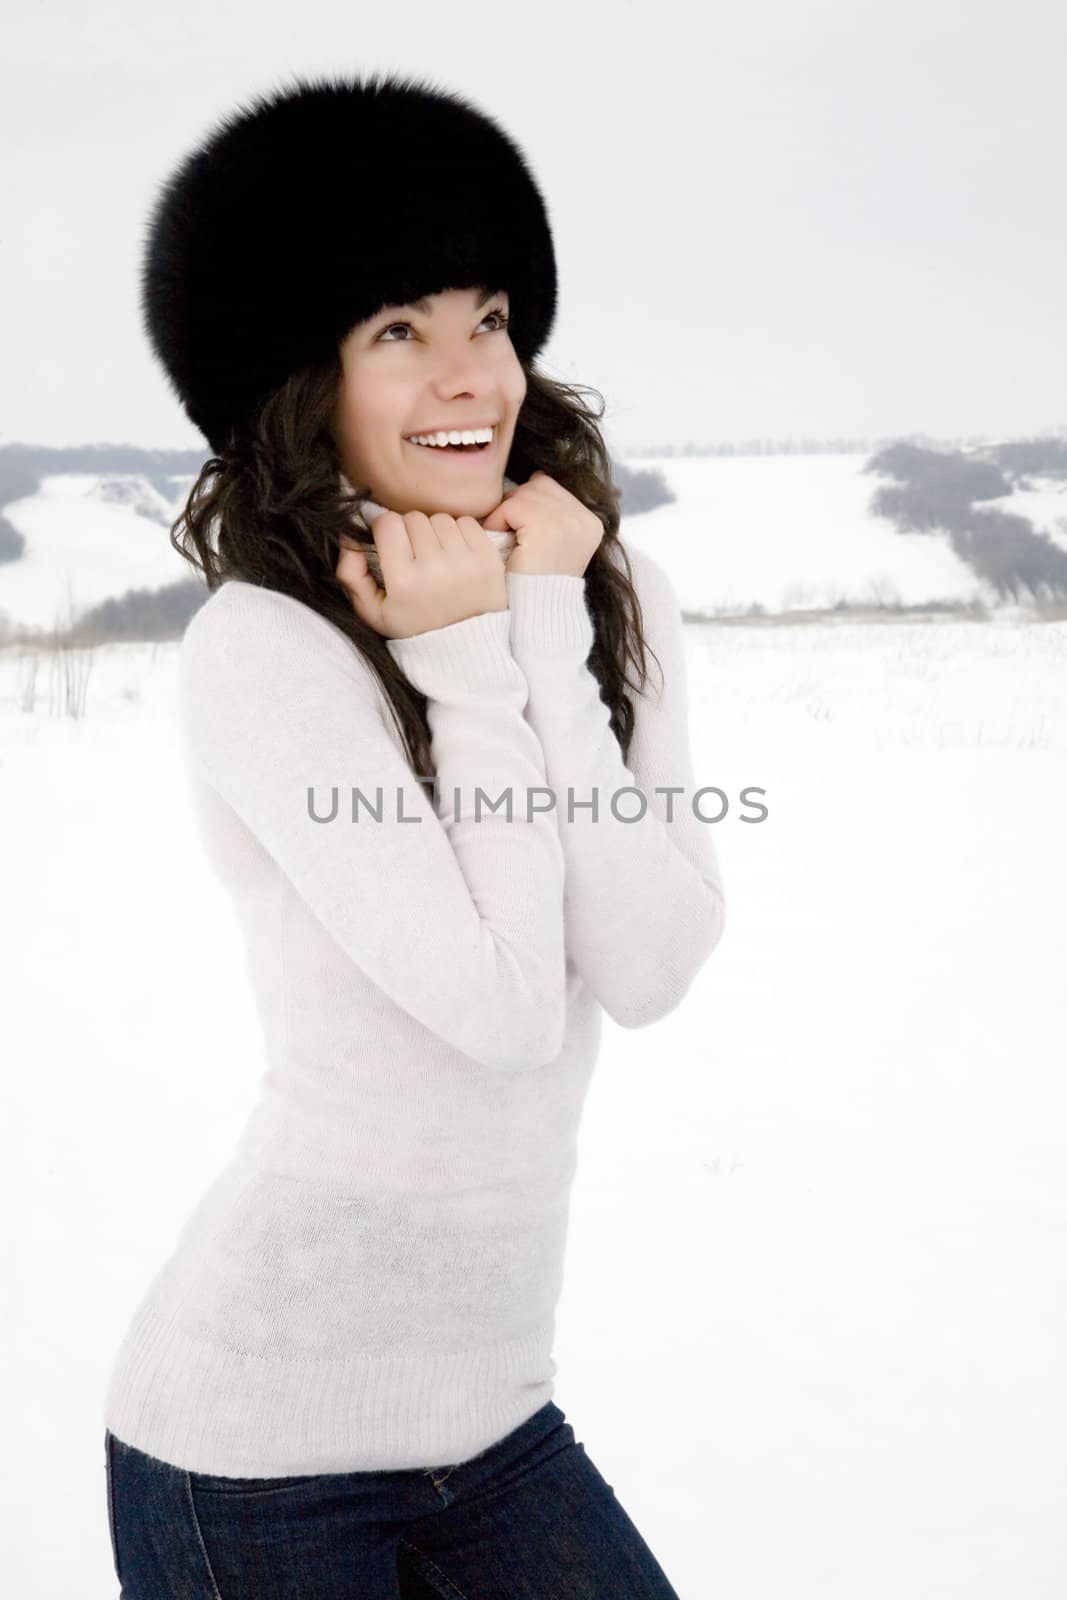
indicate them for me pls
(549, 615)
(474, 653)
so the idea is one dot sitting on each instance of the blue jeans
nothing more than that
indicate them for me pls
(530, 1518)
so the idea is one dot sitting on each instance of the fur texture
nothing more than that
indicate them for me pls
(313, 207)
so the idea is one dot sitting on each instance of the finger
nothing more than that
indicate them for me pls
(362, 588)
(349, 541)
(352, 566)
(452, 539)
(502, 517)
(347, 546)
(394, 544)
(423, 541)
(473, 534)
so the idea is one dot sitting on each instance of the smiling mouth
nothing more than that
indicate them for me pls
(455, 449)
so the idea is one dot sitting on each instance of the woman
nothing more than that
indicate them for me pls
(340, 1383)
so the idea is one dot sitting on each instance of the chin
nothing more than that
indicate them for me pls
(478, 501)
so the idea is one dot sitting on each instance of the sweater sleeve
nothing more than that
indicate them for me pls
(455, 913)
(643, 901)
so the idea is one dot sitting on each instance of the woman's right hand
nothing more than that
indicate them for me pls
(437, 569)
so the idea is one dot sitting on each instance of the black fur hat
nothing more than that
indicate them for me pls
(313, 208)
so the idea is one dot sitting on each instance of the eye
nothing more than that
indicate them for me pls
(497, 311)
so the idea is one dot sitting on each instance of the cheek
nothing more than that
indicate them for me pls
(513, 383)
(364, 423)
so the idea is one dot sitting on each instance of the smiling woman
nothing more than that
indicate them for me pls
(291, 481)
(348, 1352)
(456, 372)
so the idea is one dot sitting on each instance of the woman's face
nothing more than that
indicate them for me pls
(446, 363)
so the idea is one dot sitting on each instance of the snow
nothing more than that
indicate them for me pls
(789, 533)
(1044, 502)
(813, 1320)
(782, 532)
(88, 536)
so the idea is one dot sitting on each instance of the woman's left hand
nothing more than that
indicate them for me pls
(554, 531)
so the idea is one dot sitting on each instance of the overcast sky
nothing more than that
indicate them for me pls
(772, 217)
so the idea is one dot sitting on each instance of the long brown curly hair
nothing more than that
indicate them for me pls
(271, 508)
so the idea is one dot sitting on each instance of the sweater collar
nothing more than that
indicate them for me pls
(372, 509)
(503, 538)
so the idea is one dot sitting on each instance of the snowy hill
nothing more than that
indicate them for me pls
(89, 537)
(778, 533)
(791, 533)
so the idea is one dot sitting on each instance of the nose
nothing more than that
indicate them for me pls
(460, 372)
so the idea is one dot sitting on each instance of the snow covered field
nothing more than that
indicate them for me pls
(792, 533)
(783, 532)
(815, 1281)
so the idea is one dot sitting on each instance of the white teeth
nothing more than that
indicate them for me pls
(467, 436)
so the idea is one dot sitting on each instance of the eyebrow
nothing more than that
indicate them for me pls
(423, 304)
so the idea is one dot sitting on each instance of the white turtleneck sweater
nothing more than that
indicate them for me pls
(371, 1281)
(503, 538)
